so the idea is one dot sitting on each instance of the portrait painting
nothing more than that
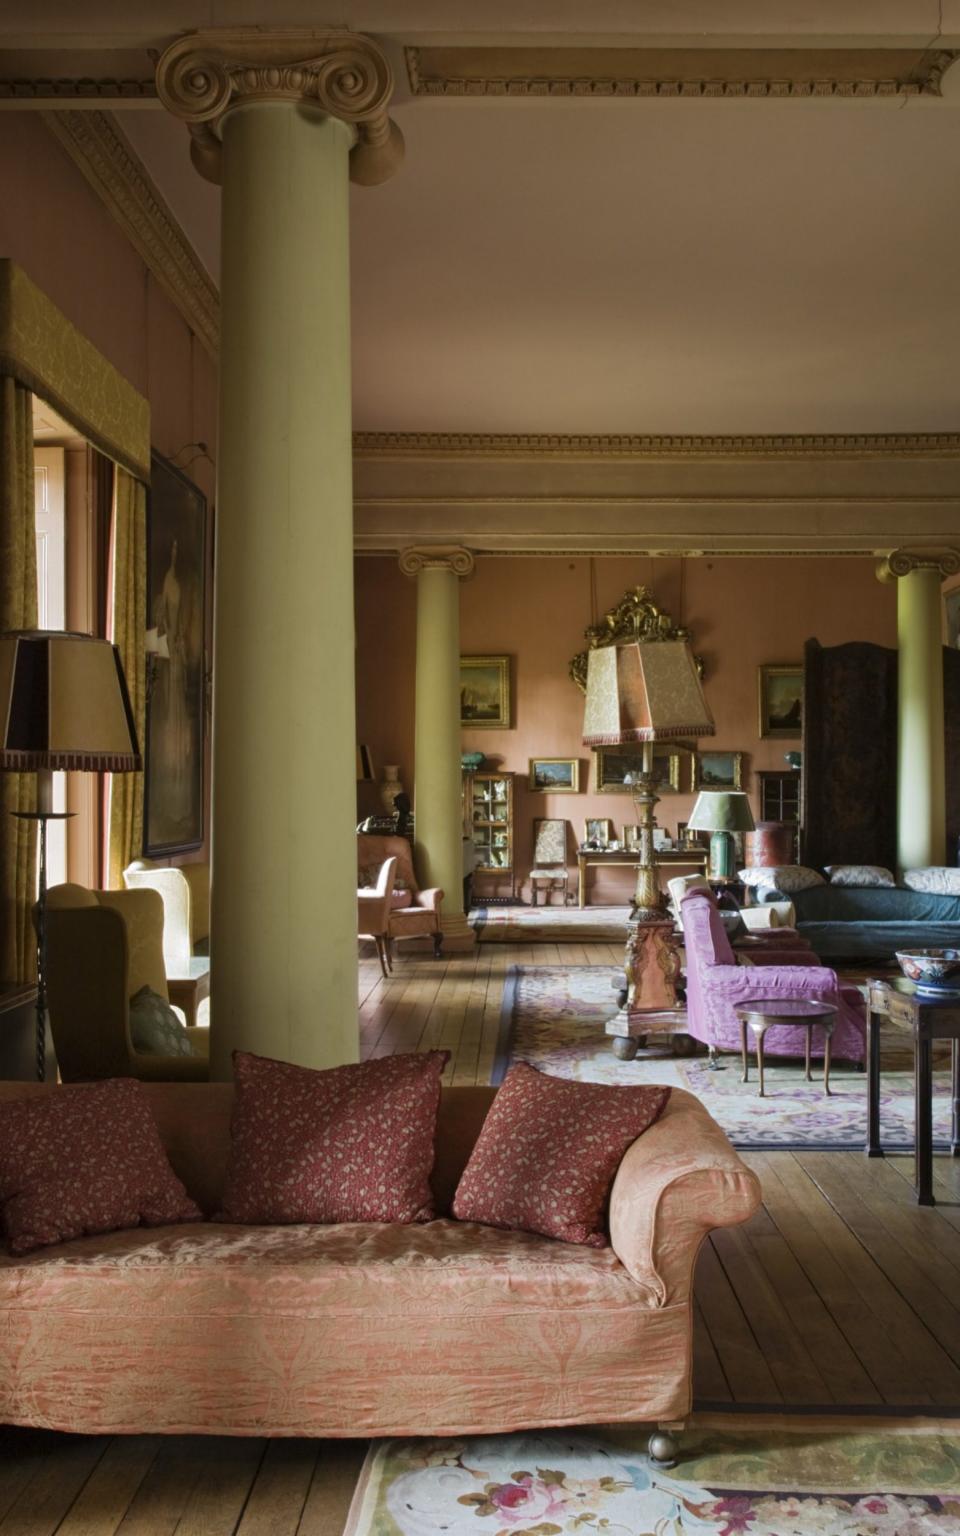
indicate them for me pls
(554, 775)
(781, 701)
(176, 568)
(718, 770)
(598, 831)
(485, 691)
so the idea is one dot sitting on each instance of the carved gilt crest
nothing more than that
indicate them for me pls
(635, 617)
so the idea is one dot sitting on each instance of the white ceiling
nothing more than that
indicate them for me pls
(624, 266)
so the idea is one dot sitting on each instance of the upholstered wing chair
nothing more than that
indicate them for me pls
(102, 947)
(413, 912)
(185, 889)
(373, 913)
(717, 985)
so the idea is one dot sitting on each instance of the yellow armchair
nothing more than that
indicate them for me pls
(102, 947)
(185, 889)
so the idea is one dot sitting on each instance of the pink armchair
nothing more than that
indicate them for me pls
(412, 912)
(716, 986)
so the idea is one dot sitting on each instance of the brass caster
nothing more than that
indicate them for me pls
(624, 1047)
(662, 1449)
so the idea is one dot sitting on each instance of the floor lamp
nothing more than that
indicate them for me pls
(64, 705)
(639, 693)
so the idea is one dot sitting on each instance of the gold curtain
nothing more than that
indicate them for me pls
(18, 610)
(129, 631)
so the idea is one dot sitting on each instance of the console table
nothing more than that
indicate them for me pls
(592, 858)
(927, 1019)
(188, 985)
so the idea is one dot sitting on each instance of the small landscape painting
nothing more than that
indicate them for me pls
(617, 765)
(555, 775)
(485, 691)
(719, 770)
(781, 701)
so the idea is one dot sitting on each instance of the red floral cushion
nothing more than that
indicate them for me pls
(548, 1152)
(351, 1143)
(84, 1159)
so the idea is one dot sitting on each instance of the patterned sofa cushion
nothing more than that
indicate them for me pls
(787, 878)
(860, 875)
(937, 880)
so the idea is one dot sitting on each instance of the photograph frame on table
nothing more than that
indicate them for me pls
(694, 839)
(485, 692)
(598, 829)
(718, 770)
(175, 730)
(631, 836)
(951, 608)
(781, 700)
(554, 775)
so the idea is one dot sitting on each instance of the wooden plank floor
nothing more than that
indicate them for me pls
(840, 1293)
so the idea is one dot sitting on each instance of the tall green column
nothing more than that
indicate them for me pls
(268, 119)
(438, 808)
(921, 790)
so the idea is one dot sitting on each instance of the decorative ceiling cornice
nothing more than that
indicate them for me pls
(118, 176)
(644, 446)
(74, 90)
(763, 73)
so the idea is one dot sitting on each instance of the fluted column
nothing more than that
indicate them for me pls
(438, 810)
(275, 119)
(921, 789)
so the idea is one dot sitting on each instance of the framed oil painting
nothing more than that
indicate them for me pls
(781, 701)
(485, 691)
(176, 592)
(615, 764)
(598, 832)
(718, 770)
(555, 775)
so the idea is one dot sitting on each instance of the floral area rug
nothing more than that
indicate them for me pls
(795, 1477)
(523, 925)
(553, 1018)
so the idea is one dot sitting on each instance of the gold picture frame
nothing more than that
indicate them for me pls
(614, 763)
(485, 692)
(718, 770)
(554, 775)
(598, 829)
(781, 701)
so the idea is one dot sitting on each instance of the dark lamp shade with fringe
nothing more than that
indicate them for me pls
(64, 704)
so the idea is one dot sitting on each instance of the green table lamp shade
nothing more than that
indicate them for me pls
(721, 812)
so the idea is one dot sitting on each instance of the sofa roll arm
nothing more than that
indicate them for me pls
(431, 898)
(676, 1183)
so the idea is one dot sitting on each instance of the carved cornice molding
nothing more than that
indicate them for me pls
(761, 73)
(902, 562)
(590, 445)
(118, 176)
(203, 76)
(75, 90)
(434, 557)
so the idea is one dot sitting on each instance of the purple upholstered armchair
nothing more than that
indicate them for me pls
(716, 986)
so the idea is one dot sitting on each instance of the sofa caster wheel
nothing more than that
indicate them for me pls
(662, 1449)
(624, 1047)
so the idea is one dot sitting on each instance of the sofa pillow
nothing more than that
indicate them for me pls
(937, 880)
(84, 1159)
(350, 1143)
(859, 874)
(548, 1153)
(155, 1027)
(781, 877)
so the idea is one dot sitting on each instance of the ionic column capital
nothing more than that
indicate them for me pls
(425, 557)
(902, 562)
(204, 75)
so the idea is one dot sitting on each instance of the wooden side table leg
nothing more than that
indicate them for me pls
(955, 1127)
(874, 1148)
(744, 1052)
(580, 883)
(809, 1034)
(760, 1035)
(827, 1051)
(923, 1165)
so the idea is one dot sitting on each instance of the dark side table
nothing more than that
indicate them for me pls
(926, 1019)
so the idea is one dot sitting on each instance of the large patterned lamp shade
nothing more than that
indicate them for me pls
(643, 692)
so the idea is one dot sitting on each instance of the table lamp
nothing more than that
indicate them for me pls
(63, 705)
(644, 691)
(721, 812)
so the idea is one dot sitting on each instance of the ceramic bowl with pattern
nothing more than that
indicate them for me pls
(930, 967)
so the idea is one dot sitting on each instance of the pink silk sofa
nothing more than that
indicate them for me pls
(437, 1329)
(717, 986)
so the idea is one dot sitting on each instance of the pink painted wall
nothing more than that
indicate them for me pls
(57, 229)
(741, 613)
